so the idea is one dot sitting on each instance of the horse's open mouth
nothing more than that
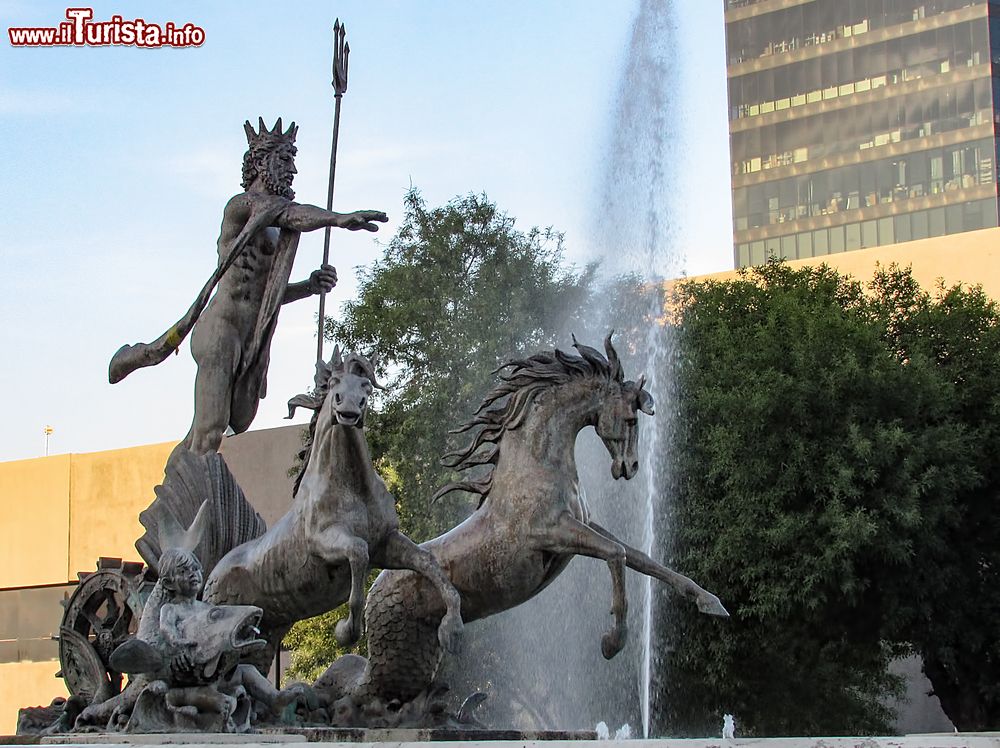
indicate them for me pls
(247, 634)
(348, 417)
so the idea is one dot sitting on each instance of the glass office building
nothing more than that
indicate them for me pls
(859, 123)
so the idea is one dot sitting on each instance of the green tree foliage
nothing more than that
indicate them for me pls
(816, 459)
(312, 644)
(458, 291)
(949, 606)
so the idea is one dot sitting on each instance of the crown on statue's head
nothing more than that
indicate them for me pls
(272, 136)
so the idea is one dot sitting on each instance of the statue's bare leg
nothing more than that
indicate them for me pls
(639, 561)
(336, 545)
(570, 535)
(217, 359)
(261, 689)
(101, 713)
(245, 400)
(403, 553)
(257, 685)
(192, 701)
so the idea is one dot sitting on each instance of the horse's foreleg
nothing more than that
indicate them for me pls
(336, 545)
(639, 561)
(403, 553)
(570, 535)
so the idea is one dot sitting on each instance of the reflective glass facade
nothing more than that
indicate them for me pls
(855, 123)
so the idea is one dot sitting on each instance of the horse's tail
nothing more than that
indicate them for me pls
(189, 481)
(403, 650)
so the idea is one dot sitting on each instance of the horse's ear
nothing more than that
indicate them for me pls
(617, 374)
(322, 375)
(373, 362)
(645, 400)
(336, 360)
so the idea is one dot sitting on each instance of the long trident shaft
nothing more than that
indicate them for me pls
(341, 52)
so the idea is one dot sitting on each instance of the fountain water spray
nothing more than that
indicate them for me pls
(637, 183)
(546, 670)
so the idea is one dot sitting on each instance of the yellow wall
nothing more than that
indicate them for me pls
(27, 684)
(109, 490)
(61, 513)
(969, 258)
(34, 530)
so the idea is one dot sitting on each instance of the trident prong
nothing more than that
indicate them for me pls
(341, 53)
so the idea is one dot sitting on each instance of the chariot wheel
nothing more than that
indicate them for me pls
(102, 613)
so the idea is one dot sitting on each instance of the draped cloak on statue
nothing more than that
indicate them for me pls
(250, 376)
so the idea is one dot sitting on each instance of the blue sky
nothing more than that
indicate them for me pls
(118, 161)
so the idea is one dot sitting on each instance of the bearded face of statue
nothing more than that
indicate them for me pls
(277, 168)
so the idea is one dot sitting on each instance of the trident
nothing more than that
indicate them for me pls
(341, 51)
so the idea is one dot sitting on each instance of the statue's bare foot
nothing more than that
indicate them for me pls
(450, 633)
(297, 694)
(157, 687)
(95, 715)
(613, 641)
(348, 631)
(709, 604)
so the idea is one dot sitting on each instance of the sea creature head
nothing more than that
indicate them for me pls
(212, 639)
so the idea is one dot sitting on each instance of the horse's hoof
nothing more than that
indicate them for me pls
(345, 634)
(450, 634)
(710, 605)
(612, 643)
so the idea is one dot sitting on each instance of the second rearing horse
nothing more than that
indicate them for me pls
(532, 519)
(342, 522)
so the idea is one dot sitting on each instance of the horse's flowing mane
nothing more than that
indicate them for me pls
(314, 400)
(508, 404)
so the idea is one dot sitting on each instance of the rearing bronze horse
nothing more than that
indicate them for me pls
(531, 520)
(343, 521)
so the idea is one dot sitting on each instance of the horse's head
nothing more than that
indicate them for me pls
(343, 386)
(618, 416)
(351, 382)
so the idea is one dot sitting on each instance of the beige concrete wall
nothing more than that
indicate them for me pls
(60, 514)
(970, 258)
(109, 489)
(34, 529)
(260, 461)
(26, 684)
